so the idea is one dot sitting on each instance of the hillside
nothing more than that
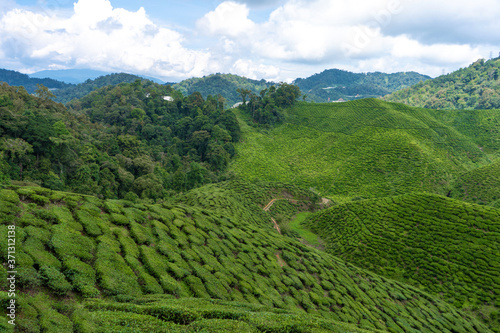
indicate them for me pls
(333, 84)
(474, 87)
(115, 266)
(125, 140)
(445, 246)
(73, 76)
(14, 78)
(481, 186)
(221, 84)
(82, 89)
(364, 149)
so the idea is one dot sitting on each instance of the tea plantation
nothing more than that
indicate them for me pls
(480, 185)
(369, 148)
(91, 265)
(444, 246)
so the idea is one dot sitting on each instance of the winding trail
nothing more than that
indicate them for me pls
(266, 208)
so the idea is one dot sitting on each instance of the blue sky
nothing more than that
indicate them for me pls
(276, 40)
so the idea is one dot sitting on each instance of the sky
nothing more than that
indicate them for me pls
(277, 40)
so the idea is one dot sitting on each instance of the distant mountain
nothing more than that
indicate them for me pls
(223, 84)
(76, 76)
(474, 87)
(335, 84)
(80, 90)
(14, 78)
(73, 76)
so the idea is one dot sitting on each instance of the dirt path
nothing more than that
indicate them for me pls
(276, 226)
(266, 208)
(269, 205)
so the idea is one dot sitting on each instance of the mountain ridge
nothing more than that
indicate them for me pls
(474, 87)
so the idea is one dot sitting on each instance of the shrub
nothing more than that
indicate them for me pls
(67, 242)
(82, 276)
(53, 321)
(55, 280)
(90, 223)
(119, 219)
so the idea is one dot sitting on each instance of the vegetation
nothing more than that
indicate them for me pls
(182, 215)
(225, 85)
(441, 245)
(125, 140)
(333, 84)
(267, 108)
(481, 186)
(14, 78)
(366, 149)
(474, 87)
(83, 89)
(79, 269)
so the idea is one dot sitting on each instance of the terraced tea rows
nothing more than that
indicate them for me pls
(366, 148)
(72, 247)
(480, 186)
(446, 246)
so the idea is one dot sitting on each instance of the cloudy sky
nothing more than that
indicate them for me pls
(275, 40)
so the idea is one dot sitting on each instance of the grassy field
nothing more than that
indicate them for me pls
(365, 149)
(297, 229)
(90, 265)
(444, 246)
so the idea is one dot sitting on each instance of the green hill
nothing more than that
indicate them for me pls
(221, 84)
(366, 148)
(90, 265)
(444, 246)
(333, 84)
(82, 89)
(474, 87)
(480, 186)
(14, 78)
(119, 140)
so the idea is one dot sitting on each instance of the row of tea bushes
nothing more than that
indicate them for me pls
(446, 246)
(71, 248)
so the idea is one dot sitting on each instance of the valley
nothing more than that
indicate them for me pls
(138, 207)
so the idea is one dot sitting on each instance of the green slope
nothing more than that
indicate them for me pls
(145, 263)
(221, 84)
(480, 186)
(474, 87)
(446, 246)
(17, 79)
(117, 141)
(366, 148)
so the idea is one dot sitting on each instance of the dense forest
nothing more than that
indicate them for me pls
(14, 78)
(224, 84)
(80, 90)
(474, 87)
(267, 108)
(140, 139)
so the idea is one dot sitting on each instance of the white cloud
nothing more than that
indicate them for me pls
(297, 38)
(251, 70)
(386, 34)
(228, 19)
(98, 36)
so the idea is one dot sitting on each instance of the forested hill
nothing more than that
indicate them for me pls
(225, 85)
(80, 90)
(334, 84)
(14, 78)
(125, 140)
(474, 87)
